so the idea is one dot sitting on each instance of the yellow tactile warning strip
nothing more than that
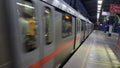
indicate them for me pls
(86, 55)
(104, 64)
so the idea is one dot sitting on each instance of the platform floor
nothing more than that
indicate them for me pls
(96, 52)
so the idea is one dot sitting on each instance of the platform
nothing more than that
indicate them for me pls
(96, 52)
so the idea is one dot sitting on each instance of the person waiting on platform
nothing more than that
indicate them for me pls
(110, 22)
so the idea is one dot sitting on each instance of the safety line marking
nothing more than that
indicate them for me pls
(105, 63)
(86, 55)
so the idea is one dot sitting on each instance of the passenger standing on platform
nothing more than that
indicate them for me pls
(110, 22)
(106, 26)
(110, 30)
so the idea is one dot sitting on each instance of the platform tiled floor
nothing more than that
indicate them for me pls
(95, 52)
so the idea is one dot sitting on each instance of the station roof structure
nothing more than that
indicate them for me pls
(96, 8)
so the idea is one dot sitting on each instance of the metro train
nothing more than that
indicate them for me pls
(39, 33)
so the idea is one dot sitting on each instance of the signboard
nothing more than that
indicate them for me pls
(114, 8)
(105, 13)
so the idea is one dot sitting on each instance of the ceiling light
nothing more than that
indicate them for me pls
(99, 6)
(98, 11)
(104, 13)
(98, 14)
(99, 1)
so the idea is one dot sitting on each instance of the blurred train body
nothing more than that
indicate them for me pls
(39, 34)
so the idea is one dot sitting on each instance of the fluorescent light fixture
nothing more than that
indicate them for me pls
(105, 13)
(98, 11)
(98, 14)
(99, 6)
(100, 1)
(25, 5)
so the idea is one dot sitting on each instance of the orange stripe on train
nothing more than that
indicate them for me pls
(46, 59)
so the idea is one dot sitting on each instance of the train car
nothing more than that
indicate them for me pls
(39, 33)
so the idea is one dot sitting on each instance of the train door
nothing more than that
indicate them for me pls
(77, 33)
(82, 30)
(64, 24)
(85, 29)
(46, 13)
(24, 32)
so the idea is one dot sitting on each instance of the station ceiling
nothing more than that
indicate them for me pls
(91, 7)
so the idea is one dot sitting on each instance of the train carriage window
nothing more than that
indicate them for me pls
(77, 25)
(27, 20)
(48, 25)
(66, 25)
(83, 25)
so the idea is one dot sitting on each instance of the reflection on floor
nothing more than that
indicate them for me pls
(96, 52)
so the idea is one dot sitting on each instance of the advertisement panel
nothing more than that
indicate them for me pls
(115, 8)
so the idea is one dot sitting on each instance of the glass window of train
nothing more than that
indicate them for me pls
(48, 25)
(66, 25)
(77, 27)
(82, 26)
(27, 20)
